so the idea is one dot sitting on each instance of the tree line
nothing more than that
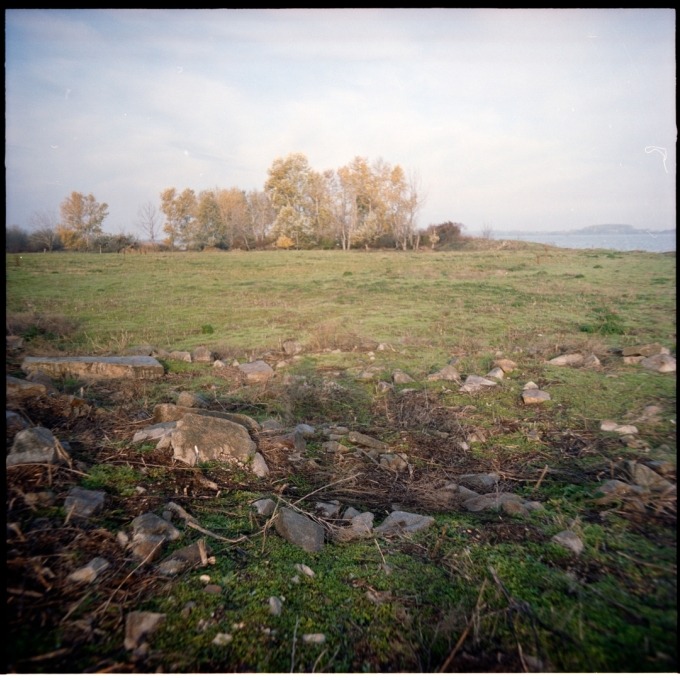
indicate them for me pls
(360, 205)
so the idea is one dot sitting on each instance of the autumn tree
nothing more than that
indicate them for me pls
(180, 216)
(235, 217)
(289, 187)
(81, 221)
(261, 216)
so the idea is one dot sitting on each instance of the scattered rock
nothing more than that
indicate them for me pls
(178, 355)
(222, 639)
(33, 445)
(202, 355)
(139, 625)
(365, 440)
(400, 522)
(401, 378)
(530, 386)
(133, 367)
(533, 396)
(193, 555)
(647, 350)
(19, 389)
(292, 347)
(83, 503)
(490, 501)
(496, 373)
(568, 539)
(257, 371)
(154, 432)
(90, 571)
(190, 400)
(481, 483)
(446, 373)
(329, 510)
(591, 361)
(314, 638)
(575, 360)
(299, 530)
(506, 365)
(474, 383)
(265, 507)
(275, 605)
(360, 526)
(662, 363)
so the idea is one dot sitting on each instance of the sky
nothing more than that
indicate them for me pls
(509, 119)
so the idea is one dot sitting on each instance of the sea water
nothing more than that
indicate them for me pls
(655, 242)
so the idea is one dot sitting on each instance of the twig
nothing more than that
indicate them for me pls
(464, 634)
(191, 522)
(540, 479)
(311, 493)
(292, 652)
(671, 570)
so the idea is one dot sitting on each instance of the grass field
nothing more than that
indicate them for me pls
(476, 592)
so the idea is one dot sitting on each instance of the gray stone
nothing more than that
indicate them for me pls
(394, 461)
(183, 559)
(365, 440)
(291, 347)
(139, 625)
(530, 386)
(299, 530)
(591, 361)
(222, 639)
(84, 502)
(43, 379)
(569, 540)
(495, 374)
(446, 373)
(202, 355)
(314, 638)
(153, 432)
(490, 501)
(329, 510)
(275, 605)
(90, 571)
(575, 360)
(258, 465)
(400, 522)
(191, 400)
(135, 367)
(179, 355)
(15, 420)
(163, 413)
(198, 439)
(360, 526)
(150, 533)
(401, 378)
(482, 482)
(257, 371)
(270, 425)
(646, 477)
(33, 445)
(475, 383)
(662, 363)
(265, 507)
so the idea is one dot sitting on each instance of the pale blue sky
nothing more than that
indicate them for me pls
(535, 120)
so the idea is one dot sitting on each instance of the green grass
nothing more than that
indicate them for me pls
(389, 605)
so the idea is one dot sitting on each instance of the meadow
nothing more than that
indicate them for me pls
(476, 592)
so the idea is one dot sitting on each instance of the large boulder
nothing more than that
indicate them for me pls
(198, 439)
(134, 367)
(299, 530)
(257, 371)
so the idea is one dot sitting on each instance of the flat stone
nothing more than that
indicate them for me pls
(360, 526)
(474, 383)
(446, 373)
(400, 522)
(496, 373)
(33, 445)
(258, 465)
(399, 377)
(591, 361)
(202, 355)
(490, 501)
(264, 506)
(84, 502)
(506, 365)
(153, 432)
(182, 559)
(535, 396)
(482, 482)
(138, 625)
(365, 440)
(257, 371)
(647, 350)
(90, 571)
(163, 413)
(573, 360)
(135, 367)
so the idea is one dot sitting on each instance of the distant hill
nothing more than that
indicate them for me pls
(609, 229)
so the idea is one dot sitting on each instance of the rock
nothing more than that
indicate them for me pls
(330, 447)
(514, 508)
(569, 540)
(662, 363)
(446, 373)
(662, 467)
(265, 507)
(33, 445)
(613, 489)
(400, 522)
(153, 432)
(314, 638)
(394, 461)
(90, 571)
(299, 530)
(257, 371)
(329, 510)
(185, 558)
(481, 483)
(350, 513)
(535, 396)
(365, 440)
(222, 639)
(474, 383)
(591, 361)
(198, 439)
(134, 367)
(213, 589)
(270, 425)
(258, 465)
(139, 625)
(506, 365)
(291, 347)
(490, 501)
(163, 413)
(14, 343)
(13, 420)
(608, 426)
(530, 386)
(496, 374)
(575, 360)
(178, 355)
(305, 570)
(83, 502)
(43, 379)
(275, 606)
(633, 360)
(20, 389)
(644, 476)
(360, 526)
(647, 350)
(190, 400)
(202, 355)
(150, 533)
(401, 378)
(626, 429)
